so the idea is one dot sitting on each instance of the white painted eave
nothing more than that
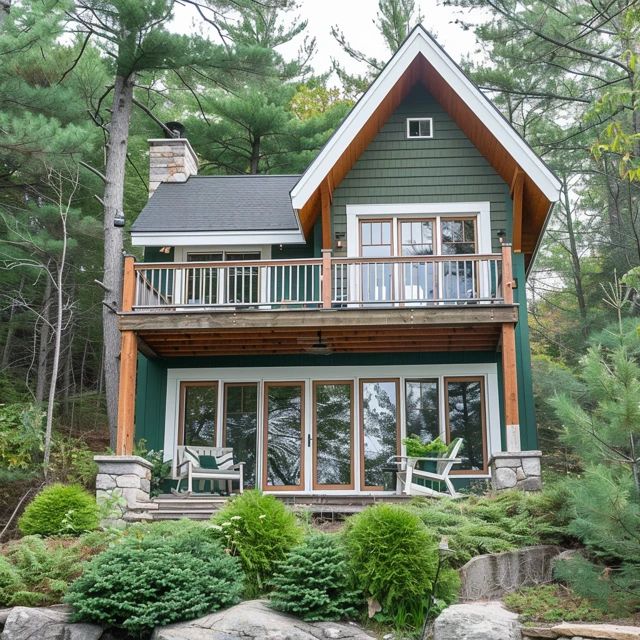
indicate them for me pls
(218, 238)
(420, 42)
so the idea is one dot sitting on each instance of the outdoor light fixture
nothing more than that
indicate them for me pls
(502, 234)
(118, 219)
(340, 239)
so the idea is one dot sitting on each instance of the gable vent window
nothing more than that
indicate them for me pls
(419, 128)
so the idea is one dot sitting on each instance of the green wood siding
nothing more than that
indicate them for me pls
(446, 168)
(151, 400)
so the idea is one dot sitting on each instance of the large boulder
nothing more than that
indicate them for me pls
(26, 623)
(254, 620)
(477, 621)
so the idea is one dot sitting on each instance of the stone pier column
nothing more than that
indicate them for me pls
(516, 470)
(124, 484)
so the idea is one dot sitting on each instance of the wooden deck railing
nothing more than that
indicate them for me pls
(327, 282)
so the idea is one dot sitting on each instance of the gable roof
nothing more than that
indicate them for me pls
(205, 204)
(421, 60)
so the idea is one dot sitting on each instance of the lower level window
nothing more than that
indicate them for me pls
(240, 427)
(199, 407)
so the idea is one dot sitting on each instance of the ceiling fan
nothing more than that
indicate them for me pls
(319, 347)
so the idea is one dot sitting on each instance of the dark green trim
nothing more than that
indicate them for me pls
(152, 254)
(151, 400)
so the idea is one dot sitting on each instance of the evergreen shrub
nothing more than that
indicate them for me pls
(394, 560)
(153, 578)
(60, 509)
(260, 530)
(313, 582)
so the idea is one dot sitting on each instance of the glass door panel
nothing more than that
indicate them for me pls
(242, 282)
(422, 409)
(240, 426)
(459, 277)
(376, 277)
(419, 278)
(378, 432)
(198, 411)
(283, 467)
(202, 282)
(466, 419)
(333, 435)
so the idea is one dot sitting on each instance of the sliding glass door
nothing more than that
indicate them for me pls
(240, 426)
(333, 435)
(283, 462)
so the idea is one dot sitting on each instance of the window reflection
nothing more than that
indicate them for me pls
(333, 424)
(466, 420)
(379, 429)
(284, 435)
(200, 403)
(241, 425)
(421, 410)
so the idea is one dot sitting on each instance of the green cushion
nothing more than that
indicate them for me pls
(208, 462)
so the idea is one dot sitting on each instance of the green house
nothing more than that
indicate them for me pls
(312, 322)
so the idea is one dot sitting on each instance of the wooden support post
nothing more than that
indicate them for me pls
(128, 365)
(325, 197)
(517, 193)
(509, 364)
(127, 393)
(128, 284)
(326, 279)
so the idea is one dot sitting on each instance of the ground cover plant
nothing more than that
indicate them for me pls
(259, 530)
(313, 583)
(394, 560)
(37, 571)
(155, 576)
(60, 509)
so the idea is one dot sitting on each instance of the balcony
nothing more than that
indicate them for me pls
(319, 305)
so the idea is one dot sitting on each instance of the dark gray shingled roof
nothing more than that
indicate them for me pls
(220, 203)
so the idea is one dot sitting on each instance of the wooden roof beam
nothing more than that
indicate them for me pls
(517, 195)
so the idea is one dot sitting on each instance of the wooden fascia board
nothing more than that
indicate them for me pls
(517, 195)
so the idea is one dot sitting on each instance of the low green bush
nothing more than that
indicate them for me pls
(313, 582)
(154, 576)
(260, 530)
(37, 572)
(60, 509)
(394, 559)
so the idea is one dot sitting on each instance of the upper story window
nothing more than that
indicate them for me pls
(419, 128)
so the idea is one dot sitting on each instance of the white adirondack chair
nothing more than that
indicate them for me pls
(188, 466)
(408, 472)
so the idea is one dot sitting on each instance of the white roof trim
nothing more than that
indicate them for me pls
(221, 238)
(419, 41)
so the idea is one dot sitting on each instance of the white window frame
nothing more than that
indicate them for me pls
(429, 120)
(357, 212)
(488, 371)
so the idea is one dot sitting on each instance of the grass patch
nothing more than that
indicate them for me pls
(553, 603)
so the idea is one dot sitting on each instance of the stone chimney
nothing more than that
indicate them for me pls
(170, 160)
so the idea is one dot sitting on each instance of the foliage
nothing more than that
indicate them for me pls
(312, 582)
(394, 560)
(21, 435)
(417, 449)
(493, 524)
(160, 469)
(259, 530)
(37, 572)
(552, 603)
(60, 509)
(72, 462)
(153, 578)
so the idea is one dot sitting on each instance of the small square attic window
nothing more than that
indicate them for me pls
(418, 128)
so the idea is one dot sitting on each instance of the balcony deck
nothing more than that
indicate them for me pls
(419, 303)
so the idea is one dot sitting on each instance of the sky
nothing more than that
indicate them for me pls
(355, 19)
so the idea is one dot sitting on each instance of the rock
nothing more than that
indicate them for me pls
(505, 478)
(600, 631)
(25, 623)
(538, 632)
(254, 620)
(492, 575)
(477, 621)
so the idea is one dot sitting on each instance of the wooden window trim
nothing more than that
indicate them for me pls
(314, 435)
(483, 415)
(183, 395)
(392, 249)
(435, 235)
(404, 399)
(363, 381)
(227, 385)
(265, 435)
(456, 218)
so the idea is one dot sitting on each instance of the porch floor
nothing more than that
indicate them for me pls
(203, 506)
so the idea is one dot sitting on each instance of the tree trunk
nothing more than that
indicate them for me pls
(11, 330)
(5, 7)
(255, 156)
(113, 241)
(43, 348)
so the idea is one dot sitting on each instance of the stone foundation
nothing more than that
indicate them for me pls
(124, 484)
(516, 470)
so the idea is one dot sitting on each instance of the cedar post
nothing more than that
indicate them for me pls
(128, 365)
(509, 366)
(326, 279)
